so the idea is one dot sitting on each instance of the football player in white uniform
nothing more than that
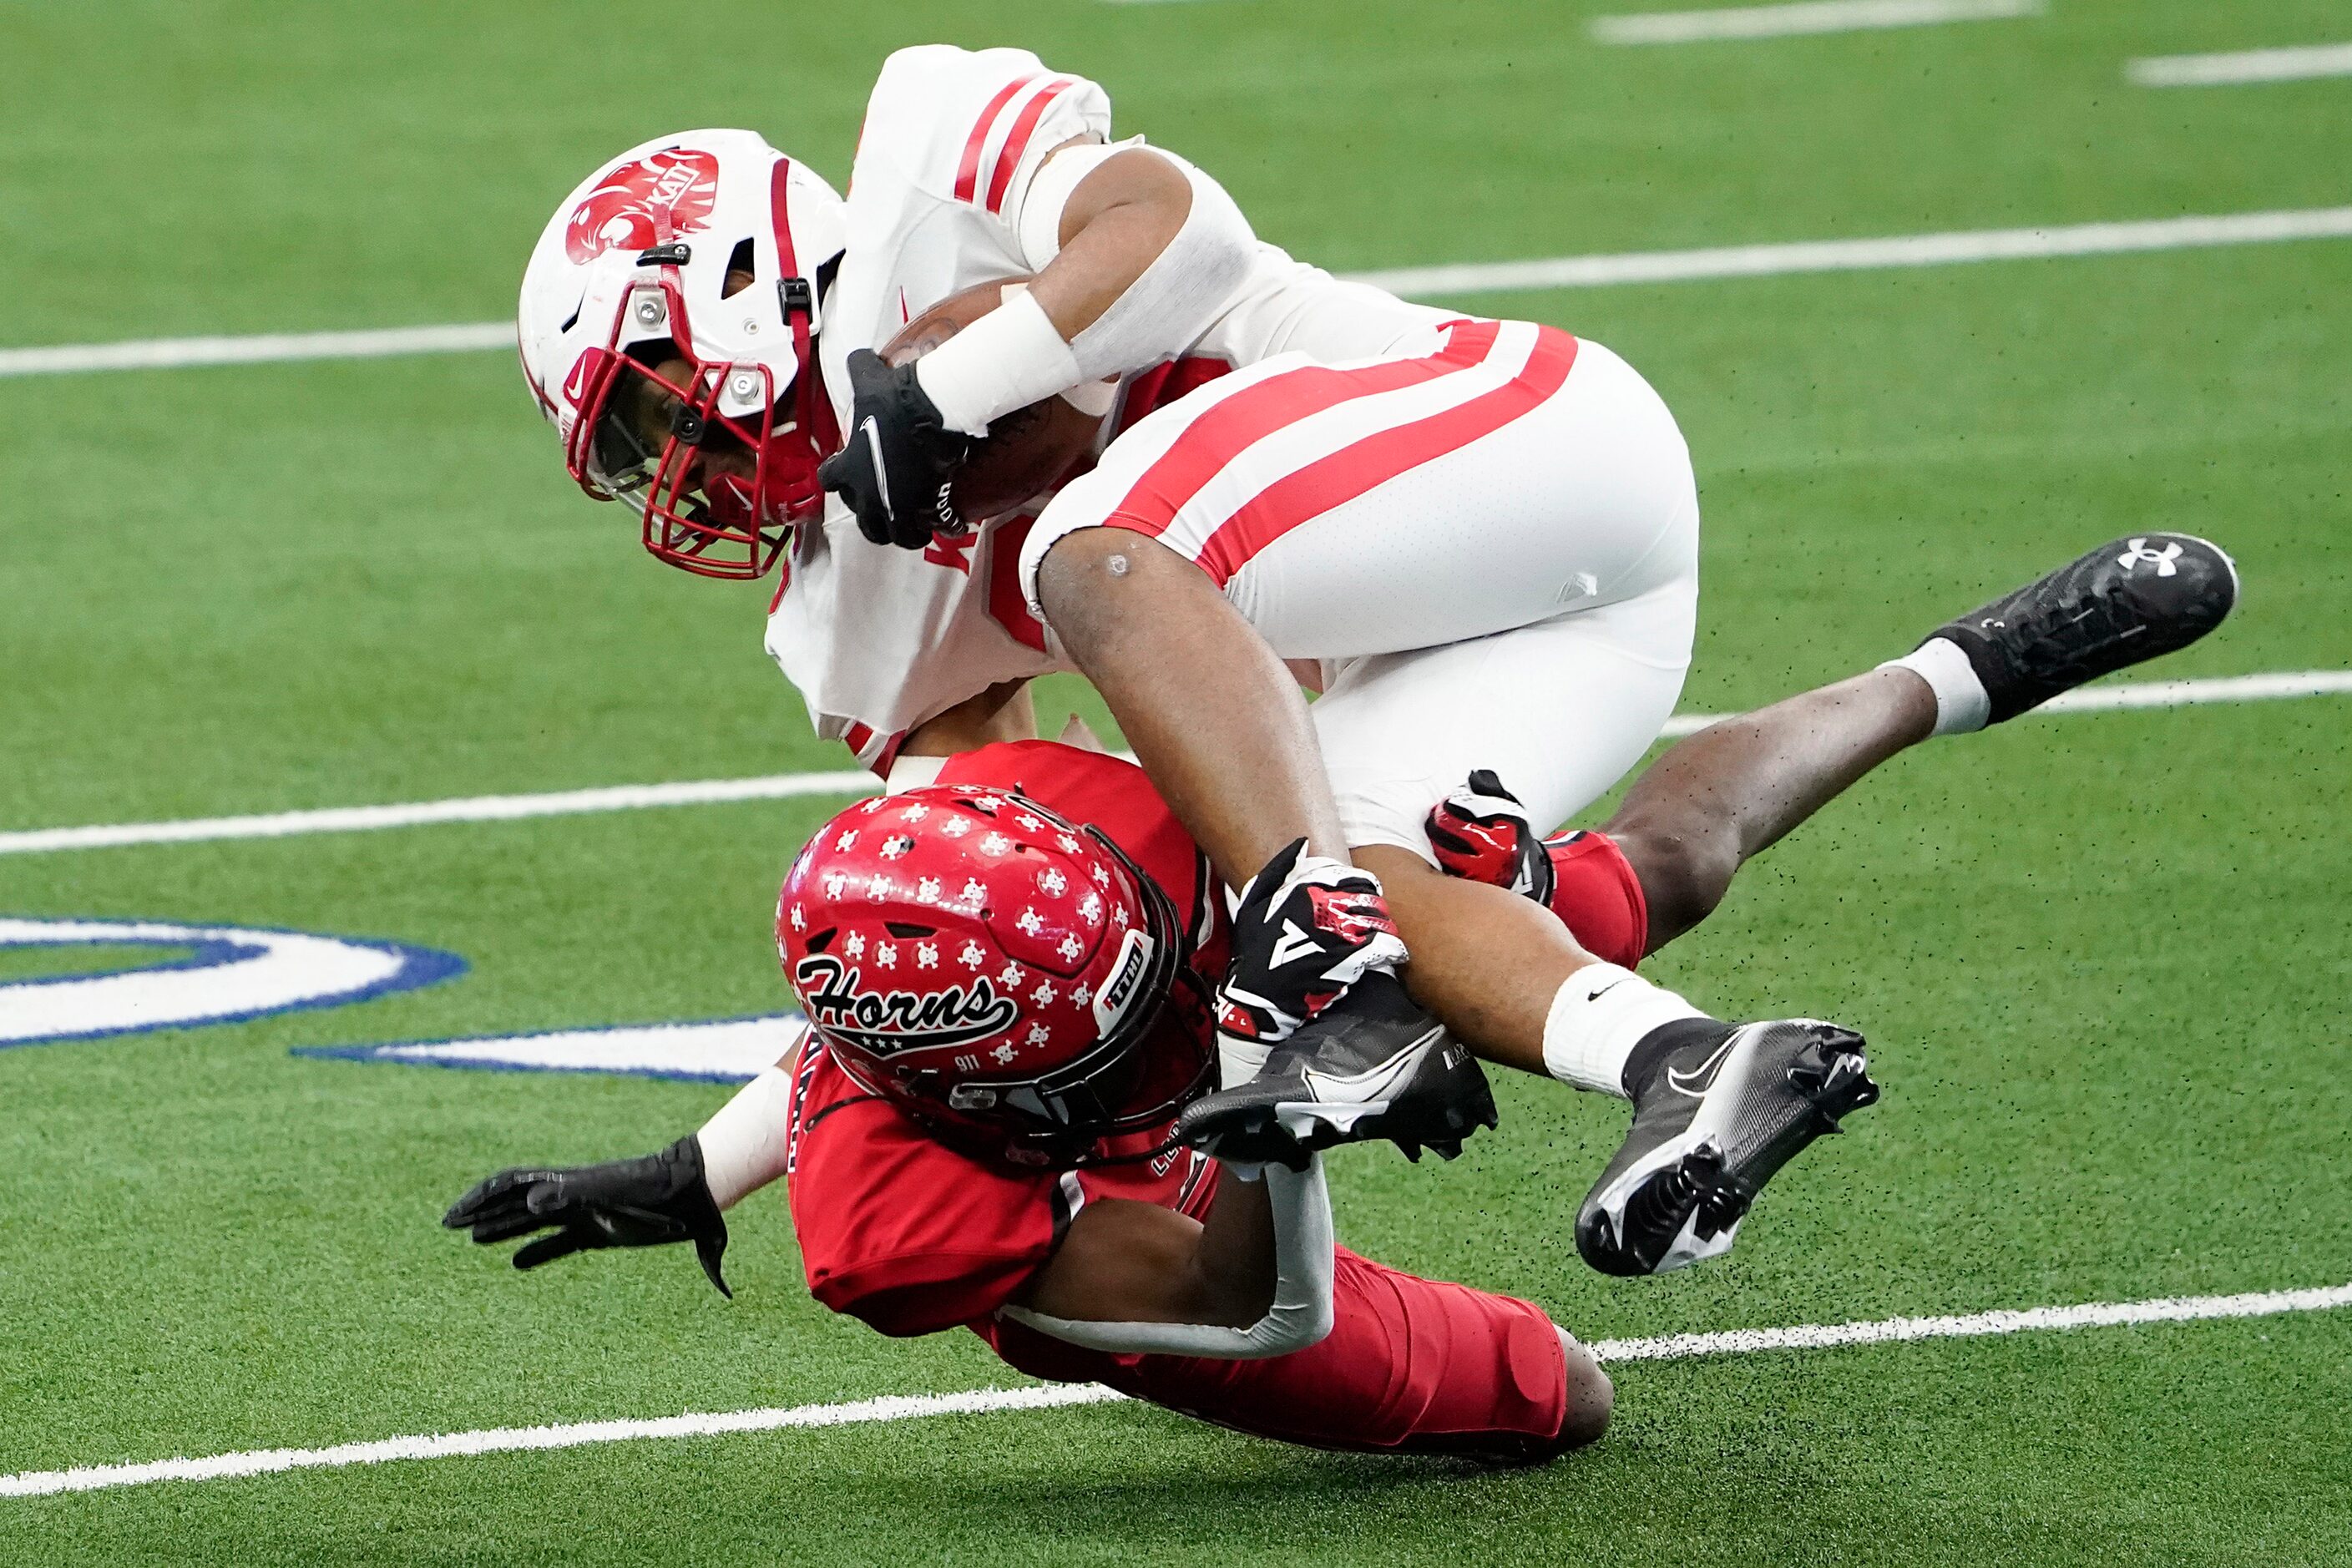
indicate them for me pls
(1483, 535)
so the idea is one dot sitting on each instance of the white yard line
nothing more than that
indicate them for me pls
(785, 786)
(2300, 64)
(1817, 16)
(417, 814)
(1975, 1325)
(1861, 255)
(519, 1439)
(269, 347)
(1477, 277)
(978, 1401)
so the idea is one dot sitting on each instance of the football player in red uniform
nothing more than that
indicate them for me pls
(1007, 966)
(1008, 975)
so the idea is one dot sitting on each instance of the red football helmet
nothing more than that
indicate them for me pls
(1014, 982)
(667, 328)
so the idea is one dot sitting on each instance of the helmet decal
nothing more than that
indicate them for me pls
(1119, 991)
(575, 381)
(646, 203)
(884, 1022)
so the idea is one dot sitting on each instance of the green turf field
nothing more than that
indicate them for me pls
(2102, 959)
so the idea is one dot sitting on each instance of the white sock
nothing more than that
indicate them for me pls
(743, 1145)
(1600, 1014)
(1961, 704)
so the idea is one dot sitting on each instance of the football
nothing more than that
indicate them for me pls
(1026, 451)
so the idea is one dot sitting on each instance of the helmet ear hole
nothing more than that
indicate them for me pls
(822, 939)
(741, 270)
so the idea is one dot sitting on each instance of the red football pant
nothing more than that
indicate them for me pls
(1411, 1365)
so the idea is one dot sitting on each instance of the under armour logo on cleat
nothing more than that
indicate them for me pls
(2136, 553)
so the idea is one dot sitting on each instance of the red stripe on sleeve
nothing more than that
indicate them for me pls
(1017, 141)
(968, 171)
(1307, 493)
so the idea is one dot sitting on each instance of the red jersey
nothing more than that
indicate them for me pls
(912, 1236)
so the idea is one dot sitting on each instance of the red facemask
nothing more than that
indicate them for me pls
(702, 513)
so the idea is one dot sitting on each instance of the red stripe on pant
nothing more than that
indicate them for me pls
(1230, 427)
(968, 171)
(1307, 493)
(1016, 140)
(1234, 424)
(1411, 1365)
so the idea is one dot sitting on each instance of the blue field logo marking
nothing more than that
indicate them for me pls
(203, 974)
(714, 1050)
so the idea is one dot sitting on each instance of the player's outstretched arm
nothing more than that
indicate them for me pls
(676, 1196)
(1254, 1282)
(1216, 722)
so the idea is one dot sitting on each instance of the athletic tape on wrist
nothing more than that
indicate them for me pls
(1010, 358)
(743, 1145)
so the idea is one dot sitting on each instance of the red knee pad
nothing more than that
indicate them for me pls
(1597, 895)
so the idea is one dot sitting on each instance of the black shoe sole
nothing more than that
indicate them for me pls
(1706, 1187)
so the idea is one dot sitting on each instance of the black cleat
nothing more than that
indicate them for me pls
(1713, 1119)
(2130, 599)
(1371, 1065)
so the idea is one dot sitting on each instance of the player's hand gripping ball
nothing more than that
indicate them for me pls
(1025, 452)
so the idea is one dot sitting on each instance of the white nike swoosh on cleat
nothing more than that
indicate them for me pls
(1699, 1079)
(1374, 1082)
(1300, 1117)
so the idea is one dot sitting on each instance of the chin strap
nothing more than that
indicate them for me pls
(812, 422)
(1299, 1315)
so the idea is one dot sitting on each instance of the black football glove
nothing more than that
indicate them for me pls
(646, 1202)
(899, 464)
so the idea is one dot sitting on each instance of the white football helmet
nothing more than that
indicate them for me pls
(665, 371)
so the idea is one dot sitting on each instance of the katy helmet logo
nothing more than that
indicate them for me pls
(648, 202)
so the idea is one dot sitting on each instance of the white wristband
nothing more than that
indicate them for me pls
(1010, 358)
(743, 1145)
(1301, 1315)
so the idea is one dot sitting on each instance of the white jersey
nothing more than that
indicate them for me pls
(877, 638)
